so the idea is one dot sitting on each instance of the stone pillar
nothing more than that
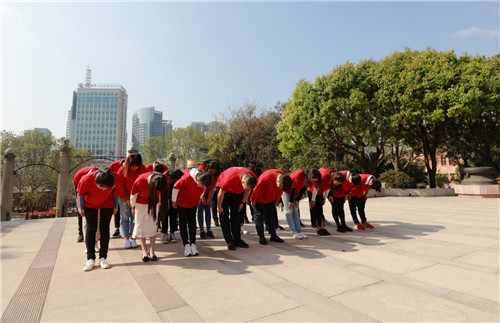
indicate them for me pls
(7, 184)
(132, 149)
(171, 161)
(63, 180)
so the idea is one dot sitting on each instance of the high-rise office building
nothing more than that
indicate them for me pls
(202, 127)
(147, 123)
(97, 120)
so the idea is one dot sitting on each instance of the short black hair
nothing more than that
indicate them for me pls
(105, 178)
(250, 180)
(205, 179)
(158, 167)
(355, 178)
(285, 182)
(175, 174)
(377, 185)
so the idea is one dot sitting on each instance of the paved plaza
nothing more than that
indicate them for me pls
(428, 259)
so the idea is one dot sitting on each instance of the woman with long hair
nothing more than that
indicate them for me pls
(149, 201)
(131, 169)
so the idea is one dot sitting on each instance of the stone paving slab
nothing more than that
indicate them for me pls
(428, 259)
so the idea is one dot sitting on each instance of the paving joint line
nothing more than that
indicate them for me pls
(168, 304)
(29, 299)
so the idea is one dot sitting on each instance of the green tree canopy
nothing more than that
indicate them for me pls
(247, 138)
(337, 113)
(186, 143)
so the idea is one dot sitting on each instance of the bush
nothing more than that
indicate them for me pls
(422, 185)
(458, 175)
(442, 180)
(416, 172)
(389, 178)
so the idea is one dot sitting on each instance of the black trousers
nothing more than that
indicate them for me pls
(265, 213)
(170, 219)
(359, 203)
(213, 205)
(230, 220)
(80, 224)
(91, 217)
(338, 211)
(116, 218)
(317, 215)
(187, 219)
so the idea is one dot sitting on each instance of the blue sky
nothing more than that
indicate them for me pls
(195, 60)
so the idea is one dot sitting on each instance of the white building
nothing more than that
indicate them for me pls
(97, 120)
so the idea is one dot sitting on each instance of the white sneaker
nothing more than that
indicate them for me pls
(128, 244)
(89, 265)
(194, 251)
(173, 239)
(133, 243)
(303, 235)
(187, 250)
(96, 249)
(103, 263)
(297, 235)
(164, 238)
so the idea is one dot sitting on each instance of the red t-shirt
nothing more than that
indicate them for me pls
(129, 181)
(95, 198)
(140, 188)
(189, 194)
(82, 172)
(346, 186)
(115, 166)
(229, 180)
(325, 181)
(266, 190)
(359, 190)
(298, 181)
(149, 168)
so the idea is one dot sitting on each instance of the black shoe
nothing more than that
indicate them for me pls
(80, 238)
(241, 244)
(216, 221)
(341, 229)
(280, 228)
(275, 238)
(116, 234)
(145, 259)
(346, 228)
(262, 240)
(231, 246)
(326, 233)
(154, 258)
(302, 224)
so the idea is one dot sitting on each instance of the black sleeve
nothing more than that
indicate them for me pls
(292, 195)
(301, 193)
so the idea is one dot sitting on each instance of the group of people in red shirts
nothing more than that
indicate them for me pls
(151, 196)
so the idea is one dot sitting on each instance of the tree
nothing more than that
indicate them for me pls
(154, 149)
(474, 136)
(36, 167)
(419, 90)
(338, 113)
(186, 143)
(247, 138)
